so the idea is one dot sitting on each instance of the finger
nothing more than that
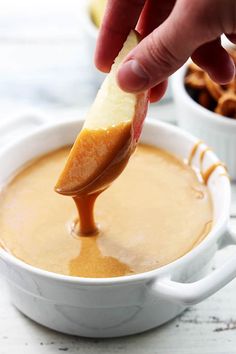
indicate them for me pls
(154, 13)
(158, 91)
(167, 48)
(159, 54)
(215, 60)
(120, 17)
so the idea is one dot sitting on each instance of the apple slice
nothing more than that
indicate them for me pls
(108, 137)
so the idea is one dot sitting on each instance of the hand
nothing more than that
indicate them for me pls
(173, 31)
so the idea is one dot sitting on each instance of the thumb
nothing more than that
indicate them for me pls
(165, 50)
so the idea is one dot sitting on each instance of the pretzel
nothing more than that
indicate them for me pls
(215, 97)
(195, 80)
(231, 86)
(214, 89)
(195, 77)
(217, 90)
(193, 67)
(205, 99)
(227, 105)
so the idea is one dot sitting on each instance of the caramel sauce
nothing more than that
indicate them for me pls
(90, 262)
(85, 207)
(96, 159)
(202, 155)
(205, 231)
(193, 152)
(155, 212)
(205, 174)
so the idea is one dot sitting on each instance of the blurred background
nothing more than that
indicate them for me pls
(46, 55)
(43, 57)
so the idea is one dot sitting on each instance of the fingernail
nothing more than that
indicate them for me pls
(132, 77)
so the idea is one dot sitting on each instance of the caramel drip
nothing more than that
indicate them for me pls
(202, 155)
(85, 206)
(207, 174)
(194, 151)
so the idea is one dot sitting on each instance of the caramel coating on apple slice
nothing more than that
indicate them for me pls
(96, 159)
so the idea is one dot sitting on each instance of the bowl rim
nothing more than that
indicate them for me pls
(216, 232)
(180, 91)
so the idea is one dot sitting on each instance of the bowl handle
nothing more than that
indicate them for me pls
(188, 294)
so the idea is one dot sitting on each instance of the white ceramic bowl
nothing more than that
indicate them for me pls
(129, 304)
(217, 131)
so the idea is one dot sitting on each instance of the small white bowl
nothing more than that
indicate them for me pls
(110, 307)
(217, 131)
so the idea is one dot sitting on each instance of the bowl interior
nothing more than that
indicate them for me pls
(162, 135)
(159, 134)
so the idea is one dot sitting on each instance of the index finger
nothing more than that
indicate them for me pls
(120, 17)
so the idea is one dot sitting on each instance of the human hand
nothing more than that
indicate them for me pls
(173, 31)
